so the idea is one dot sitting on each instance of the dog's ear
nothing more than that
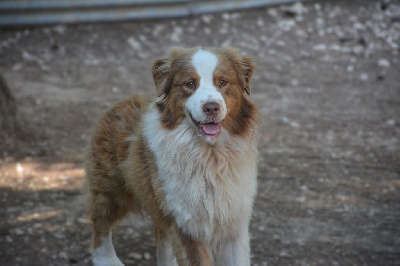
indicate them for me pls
(161, 71)
(244, 67)
(246, 72)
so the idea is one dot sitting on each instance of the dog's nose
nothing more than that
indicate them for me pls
(211, 108)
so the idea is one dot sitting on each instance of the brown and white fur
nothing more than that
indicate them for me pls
(187, 159)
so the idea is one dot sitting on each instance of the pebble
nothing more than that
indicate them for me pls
(363, 76)
(286, 25)
(63, 255)
(273, 12)
(19, 231)
(350, 68)
(226, 16)
(260, 22)
(60, 29)
(136, 256)
(176, 34)
(147, 256)
(383, 63)
(134, 44)
(304, 188)
(358, 49)
(206, 18)
(297, 9)
(390, 122)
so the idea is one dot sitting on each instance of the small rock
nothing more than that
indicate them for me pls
(236, 15)
(260, 22)
(286, 25)
(19, 231)
(383, 63)
(364, 77)
(272, 12)
(134, 43)
(37, 225)
(358, 49)
(294, 124)
(176, 34)
(276, 237)
(63, 255)
(206, 18)
(60, 29)
(147, 256)
(319, 47)
(390, 122)
(226, 16)
(296, 9)
(350, 68)
(136, 256)
(284, 253)
(358, 26)
(17, 67)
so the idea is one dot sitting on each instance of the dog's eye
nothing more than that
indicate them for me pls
(223, 83)
(191, 85)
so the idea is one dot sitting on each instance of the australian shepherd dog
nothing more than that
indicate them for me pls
(187, 159)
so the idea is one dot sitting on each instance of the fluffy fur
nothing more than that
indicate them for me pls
(187, 159)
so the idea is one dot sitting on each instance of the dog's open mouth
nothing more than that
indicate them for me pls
(211, 129)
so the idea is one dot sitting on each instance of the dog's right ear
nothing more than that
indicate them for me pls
(161, 71)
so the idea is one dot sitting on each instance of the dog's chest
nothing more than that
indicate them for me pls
(208, 190)
(207, 197)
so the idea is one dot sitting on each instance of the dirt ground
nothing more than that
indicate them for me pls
(328, 86)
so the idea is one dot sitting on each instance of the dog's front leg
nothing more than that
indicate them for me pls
(186, 250)
(235, 252)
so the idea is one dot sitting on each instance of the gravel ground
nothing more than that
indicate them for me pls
(328, 86)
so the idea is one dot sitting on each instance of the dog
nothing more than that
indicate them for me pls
(186, 158)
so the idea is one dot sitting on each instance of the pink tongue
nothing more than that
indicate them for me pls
(210, 129)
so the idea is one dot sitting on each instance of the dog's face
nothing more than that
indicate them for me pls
(204, 87)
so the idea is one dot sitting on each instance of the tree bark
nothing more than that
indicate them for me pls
(9, 119)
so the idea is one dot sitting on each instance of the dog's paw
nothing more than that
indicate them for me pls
(107, 261)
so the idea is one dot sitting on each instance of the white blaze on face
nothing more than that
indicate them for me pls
(205, 63)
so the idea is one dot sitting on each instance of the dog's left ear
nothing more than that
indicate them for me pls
(246, 72)
(160, 70)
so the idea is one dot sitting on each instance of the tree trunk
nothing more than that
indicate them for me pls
(9, 119)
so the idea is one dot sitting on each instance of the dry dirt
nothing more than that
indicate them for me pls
(327, 83)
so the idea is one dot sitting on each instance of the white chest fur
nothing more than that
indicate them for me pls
(208, 190)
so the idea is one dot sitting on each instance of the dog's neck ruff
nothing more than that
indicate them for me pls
(219, 179)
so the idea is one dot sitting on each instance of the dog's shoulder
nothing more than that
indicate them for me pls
(118, 126)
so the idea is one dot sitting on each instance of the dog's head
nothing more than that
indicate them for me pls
(205, 88)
